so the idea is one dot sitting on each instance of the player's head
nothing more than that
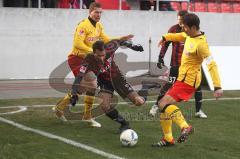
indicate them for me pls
(180, 16)
(99, 50)
(191, 24)
(95, 11)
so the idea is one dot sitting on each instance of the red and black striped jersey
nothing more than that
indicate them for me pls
(177, 47)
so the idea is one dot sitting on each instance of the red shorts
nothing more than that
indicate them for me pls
(181, 91)
(74, 62)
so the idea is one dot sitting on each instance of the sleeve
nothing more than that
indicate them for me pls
(79, 39)
(166, 44)
(103, 36)
(175, 37)
(211, 64)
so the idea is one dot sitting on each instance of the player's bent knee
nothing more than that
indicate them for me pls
(139, 101)
(136, 99)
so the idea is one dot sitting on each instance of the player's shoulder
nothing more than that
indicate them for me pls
(84, 22)
(174, 29)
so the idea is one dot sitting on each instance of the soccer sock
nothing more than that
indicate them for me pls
(158, 99)
(176, 115)
(63, 103)
(198, 100)
(88, 102)
(166, 124)
(114, 115)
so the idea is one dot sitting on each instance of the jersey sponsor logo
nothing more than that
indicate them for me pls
(92, 39)
(83, 69)
(81, 32)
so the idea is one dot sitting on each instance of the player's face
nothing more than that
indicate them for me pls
(189, 31)
(95, 14)
(100, 55)
(180, 21)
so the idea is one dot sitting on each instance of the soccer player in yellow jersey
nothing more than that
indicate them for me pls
(189, 78)
(87, 32)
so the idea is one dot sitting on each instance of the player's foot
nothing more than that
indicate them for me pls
(59, 114)
(92, 122)
(153, 111)
(124, 127)
(164, 143)
(185, 132)
(200, 114)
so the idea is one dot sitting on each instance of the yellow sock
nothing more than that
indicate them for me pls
(176, 115)
(63, 103)
(166, 124)
(88, 102)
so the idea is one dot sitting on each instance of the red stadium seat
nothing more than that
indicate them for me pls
(236, 7)
(200, 7)
(64, 4)
(213, 7)
(226, 8)
(185, 5)
(113, 4)
(175, 6)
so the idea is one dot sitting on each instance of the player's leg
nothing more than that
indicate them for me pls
(112, 112)
(74, 63)
(198, 104)
(166, 125)
(180, 91)
(153, 111)
(89, 85)
(173, 74)
(125, 90)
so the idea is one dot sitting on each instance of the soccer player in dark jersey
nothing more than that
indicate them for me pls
(195, 50)
(100, 66)
(177, 50)
(87, 32)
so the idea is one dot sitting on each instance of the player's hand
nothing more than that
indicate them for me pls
(73, 99)
(127, 37)
(161, 42)
(160, 63)
(218, 93)
(137, 47)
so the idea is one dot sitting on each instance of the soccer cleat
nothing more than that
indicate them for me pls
(153, 111)
(164, 143)
(185, 132)
(92, 123)
(59, 114)
(200, 114)
(124, 127)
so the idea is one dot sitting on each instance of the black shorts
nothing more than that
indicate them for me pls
(119, 84)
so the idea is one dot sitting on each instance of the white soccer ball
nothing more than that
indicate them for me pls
(129, 138)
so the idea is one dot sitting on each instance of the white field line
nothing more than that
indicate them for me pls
(120, 103)
(21, 109)
(62, 139)
(153, 101)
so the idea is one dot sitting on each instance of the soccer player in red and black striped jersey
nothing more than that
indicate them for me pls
(100, 66)
(177, 50)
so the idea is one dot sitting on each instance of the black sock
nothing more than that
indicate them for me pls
(114, 115)
(198, 100)
(158, 99)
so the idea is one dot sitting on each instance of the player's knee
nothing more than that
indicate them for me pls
(139, 101)
(136, 99)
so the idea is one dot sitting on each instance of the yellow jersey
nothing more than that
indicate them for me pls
(84, 37)
(195, 51)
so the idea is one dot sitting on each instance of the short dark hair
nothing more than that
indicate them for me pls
(182, 13)
(191, 19)
(98, 45)
(94, 5)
